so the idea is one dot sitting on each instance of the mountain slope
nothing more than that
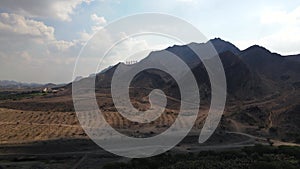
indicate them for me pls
(262, 87)
(271, 65)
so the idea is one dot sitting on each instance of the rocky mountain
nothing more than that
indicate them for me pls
(272, 65)
(262, 87)
(249, 71)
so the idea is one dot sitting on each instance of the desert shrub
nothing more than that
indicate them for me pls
(290, 150)
(259, 156)
(272, 165)
(273, 130)
(260, 149)
(115, 166)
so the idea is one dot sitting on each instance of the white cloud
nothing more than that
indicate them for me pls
(284, 40)
(30, 51)
(57, 9)
(13, 26)
(60, 46)
(281, 17)
(18, 25)
(99, 20)
(98, 23)
(85, 36)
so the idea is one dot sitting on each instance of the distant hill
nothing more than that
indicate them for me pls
(10, 84)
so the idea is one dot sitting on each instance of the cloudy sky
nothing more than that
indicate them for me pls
(40, 40)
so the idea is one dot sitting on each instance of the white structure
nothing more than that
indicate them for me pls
(47, 90)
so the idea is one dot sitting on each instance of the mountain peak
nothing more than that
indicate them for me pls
(223, 46)
(218, 39)
(258, 48)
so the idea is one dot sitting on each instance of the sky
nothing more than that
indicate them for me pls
(40, 40)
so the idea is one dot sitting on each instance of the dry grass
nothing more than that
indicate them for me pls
(17, 126)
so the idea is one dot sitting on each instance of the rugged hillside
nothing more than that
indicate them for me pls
(281, 69)
(262, 87)
(240, 79)
(263, 90)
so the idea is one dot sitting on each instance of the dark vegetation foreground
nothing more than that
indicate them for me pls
(257, 157)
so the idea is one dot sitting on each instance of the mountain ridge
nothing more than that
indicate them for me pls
(262, 87)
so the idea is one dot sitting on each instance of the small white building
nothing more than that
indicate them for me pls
(47, 90)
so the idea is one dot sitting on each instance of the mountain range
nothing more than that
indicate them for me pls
(253, 72)
(10, 84)
(262, 89)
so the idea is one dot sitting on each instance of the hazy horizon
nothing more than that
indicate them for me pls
(41, 40)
